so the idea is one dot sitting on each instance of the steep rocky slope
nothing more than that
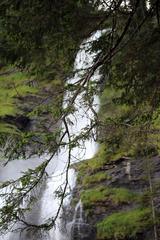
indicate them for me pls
(29, 112)
(121, 198)
(119, 187)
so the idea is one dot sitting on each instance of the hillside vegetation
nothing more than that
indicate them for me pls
(38, 43)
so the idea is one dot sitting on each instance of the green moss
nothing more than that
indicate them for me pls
(100, 194)
(123, 195)
(121, 153)
(124, 225)
(94, 178)
(13, 85)
(89, 166)
(91, 196)
(100, 158)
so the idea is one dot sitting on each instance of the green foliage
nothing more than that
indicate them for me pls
(99, 160)
(8, 129)
(94, 178)
(124, 225)
(23, 99)
(127, 130)
(109, 103)
(146, 150)
(116, 196)
(42, 38)
(92, 196)
(88, 166)
(13, 85)
(87, 170)
(123, 195)
(39, 35)
(130, 98)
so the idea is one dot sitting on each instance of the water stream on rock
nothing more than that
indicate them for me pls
(47, 205)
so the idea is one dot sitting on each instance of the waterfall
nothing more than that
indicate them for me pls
(48, 203)
(78, 220)
(78, 229)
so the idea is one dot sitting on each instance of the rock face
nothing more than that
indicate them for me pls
(37, 121)
(78, 228)
(82, 231)
(125, 176)
(34, 115)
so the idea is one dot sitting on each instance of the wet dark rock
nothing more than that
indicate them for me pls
(131, 174)
(82, 231)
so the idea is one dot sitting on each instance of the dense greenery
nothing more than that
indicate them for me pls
(90, 197)
(38, 38)
(124, 225)
(38, 35)
(38, 43)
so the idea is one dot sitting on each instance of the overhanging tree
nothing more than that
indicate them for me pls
(42, 37)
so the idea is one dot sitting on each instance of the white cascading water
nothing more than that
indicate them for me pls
(47, 205)
(78, 220)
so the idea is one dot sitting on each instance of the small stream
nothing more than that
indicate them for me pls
(48, 203)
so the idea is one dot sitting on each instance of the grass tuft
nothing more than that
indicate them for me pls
(124, 225)
(115, 195)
